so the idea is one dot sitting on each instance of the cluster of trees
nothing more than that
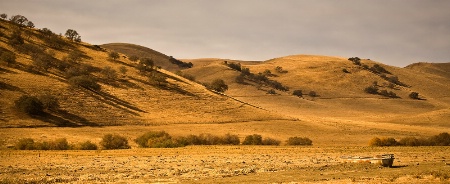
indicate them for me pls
(373, 89)
(35, 105)
(299, 93)
(181, 64)
(442, 139)
(260, 78)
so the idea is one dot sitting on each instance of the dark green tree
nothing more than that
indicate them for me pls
(414, 95)
(219, 85)
(72, 35)
(113, 55)
(30, 105)
(3, 16)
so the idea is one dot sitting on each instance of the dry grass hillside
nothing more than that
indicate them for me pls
(334, 108)
(130, 50)
(339, 85)
(126, 95)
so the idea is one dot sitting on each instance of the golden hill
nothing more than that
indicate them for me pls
(128, 98)
(340, 95)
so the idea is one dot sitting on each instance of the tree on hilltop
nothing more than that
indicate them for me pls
(19, 19)
(73, 35)
(4, 16)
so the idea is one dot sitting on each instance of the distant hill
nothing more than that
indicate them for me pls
(339, 85)
(160, 59)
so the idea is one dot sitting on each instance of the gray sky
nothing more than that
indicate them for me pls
(395, 32)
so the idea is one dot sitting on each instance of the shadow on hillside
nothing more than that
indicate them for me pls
(122, 83)
(63, 118)
(114, 101)
(9, 87)
(3, 70)
(167, 87)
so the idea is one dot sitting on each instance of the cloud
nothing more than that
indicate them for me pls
(392, 32)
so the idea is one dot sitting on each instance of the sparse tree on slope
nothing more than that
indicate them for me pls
(72, 35)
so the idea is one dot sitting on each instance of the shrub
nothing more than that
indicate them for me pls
(443, 139)
(88, 145)
(230, 139)
(279, 69)
(385, 141)
(298, 93)
(113, 141)
(299, 141)
(254, 139)
(218, 85)
(414, 95)
(371, 90)
(375, 141)
(133, 58)
(272, 92)
(409, 141)
(234, 66)
(355, 60)
(49, 102)
(109, 73)
(85, 81)
(29, 104)
(25, 144)
(59, 144)
(149, 138)
(270, 141)
(312, 94)
(240, 79)
(113, 55)
(8, 57)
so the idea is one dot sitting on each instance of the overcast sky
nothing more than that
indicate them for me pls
(395, 32)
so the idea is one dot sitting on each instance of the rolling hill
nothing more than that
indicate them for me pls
(333, 108)
(127, 98)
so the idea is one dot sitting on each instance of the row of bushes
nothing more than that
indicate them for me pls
(57, 144)
(156, 139)
(442, 139)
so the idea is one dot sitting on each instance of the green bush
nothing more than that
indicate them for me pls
(298, 141)
(25, 144)
(88, 145)
(85, 81)
(230, 139)
(154, 139)
(30, 144)
(49, 102)
(8, 57)
(218, 85)
(113, 141)
(254, 139)
(371, 90)
(270, 141)
(30, 105)
(298, 93)
(414, 95)
(443, 139)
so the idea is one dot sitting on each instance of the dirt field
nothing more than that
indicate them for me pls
(224, 164)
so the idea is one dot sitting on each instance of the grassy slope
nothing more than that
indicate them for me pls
(129, 100)
(341, 96)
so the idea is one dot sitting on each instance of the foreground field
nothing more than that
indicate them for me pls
(224, 164)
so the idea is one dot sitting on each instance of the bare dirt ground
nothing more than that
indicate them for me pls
(224, 164)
